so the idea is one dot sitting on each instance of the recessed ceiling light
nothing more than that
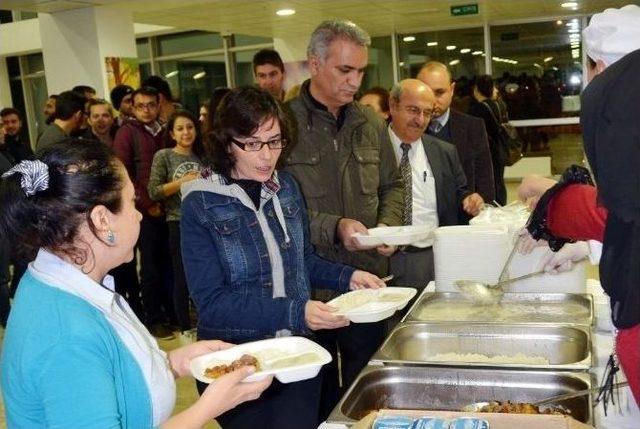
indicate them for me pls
(465, 51)
(559, 22)
(171, 74)
(451, 47)
(454, 62)
(569, 4)
(546, 60)
(432, 44)
(476, 53)
(409, 39)
(285, 12)
(401, 63)
(199, 75)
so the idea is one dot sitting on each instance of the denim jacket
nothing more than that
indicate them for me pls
(227, 264)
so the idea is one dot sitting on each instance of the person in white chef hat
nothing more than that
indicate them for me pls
(575, 209)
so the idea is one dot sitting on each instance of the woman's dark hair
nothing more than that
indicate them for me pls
(216, 97)
(382, 94)
(240, 114)
(198, 146)
(484, 85)
(81, 177)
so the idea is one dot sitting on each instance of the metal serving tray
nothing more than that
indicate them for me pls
(565, 347)
(437, 388)
(515, 308)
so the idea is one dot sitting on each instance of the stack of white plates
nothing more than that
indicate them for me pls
(469, 252)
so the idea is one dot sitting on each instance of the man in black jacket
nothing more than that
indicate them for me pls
(15, 148)
(465, 132)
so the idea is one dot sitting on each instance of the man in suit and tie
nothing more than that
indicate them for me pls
(467, 133)
(436, 191)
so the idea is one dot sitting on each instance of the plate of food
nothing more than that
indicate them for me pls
(372, 305)
(289, 359)
(414, 235)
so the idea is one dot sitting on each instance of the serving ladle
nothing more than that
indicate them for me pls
(485, 293)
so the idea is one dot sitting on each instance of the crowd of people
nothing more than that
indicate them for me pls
(245, 220)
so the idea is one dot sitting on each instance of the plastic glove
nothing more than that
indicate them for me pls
(525, 243)
(563, 260)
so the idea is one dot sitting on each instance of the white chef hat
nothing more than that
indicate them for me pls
(612, 34)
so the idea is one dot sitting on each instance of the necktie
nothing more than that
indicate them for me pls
(405, 172)
(435, 127)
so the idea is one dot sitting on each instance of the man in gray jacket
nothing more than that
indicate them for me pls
(346, 168)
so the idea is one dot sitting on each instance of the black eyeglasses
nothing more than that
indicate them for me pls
(257, 145)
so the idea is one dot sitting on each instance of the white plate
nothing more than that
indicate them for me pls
(372, 305)
(267, 352)
(416, 235)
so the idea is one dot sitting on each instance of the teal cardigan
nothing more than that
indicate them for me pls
(64, 366)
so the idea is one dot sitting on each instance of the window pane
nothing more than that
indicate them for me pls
(243, 40)
(37, 94)
(193, 80)
(13, 67)
(193, 41)
(145, 71)
(380, 67)
(142, 46)
(244, 67)
(539, 68)
(34, 63)
(461, 50)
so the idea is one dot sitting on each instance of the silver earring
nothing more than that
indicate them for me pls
(111, 237)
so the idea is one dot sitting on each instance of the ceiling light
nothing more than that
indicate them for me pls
(476, 52)
(199, 75)
(554, 68)
(451, 47)
(559, 22)
(465, 51)
(285, 12)
(569, 4)
(537, 65)
(171, 74)
(401, 63)
(409, 39)
(496, 59)
(454, 62)
(432, 44)
(546, 60)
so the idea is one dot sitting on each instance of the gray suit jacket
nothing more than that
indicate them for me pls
(450, 180)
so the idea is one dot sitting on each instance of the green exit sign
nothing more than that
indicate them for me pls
(464, 9)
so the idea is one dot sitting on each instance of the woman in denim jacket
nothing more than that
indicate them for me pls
(247, 255)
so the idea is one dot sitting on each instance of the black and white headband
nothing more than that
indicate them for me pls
(34, 176)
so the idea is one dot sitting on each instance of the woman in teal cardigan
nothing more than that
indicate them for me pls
(74, 353)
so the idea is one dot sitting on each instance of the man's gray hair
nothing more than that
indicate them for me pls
(329, 31)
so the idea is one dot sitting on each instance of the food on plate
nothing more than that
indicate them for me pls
(519, 408)
(351, 301)
(220, 370)
(289, 361)
(518, 358)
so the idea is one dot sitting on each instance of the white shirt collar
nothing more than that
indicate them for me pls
(53, 270)
(444, 118)
(396, 140)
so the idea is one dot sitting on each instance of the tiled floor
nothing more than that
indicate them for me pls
(187, 393)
